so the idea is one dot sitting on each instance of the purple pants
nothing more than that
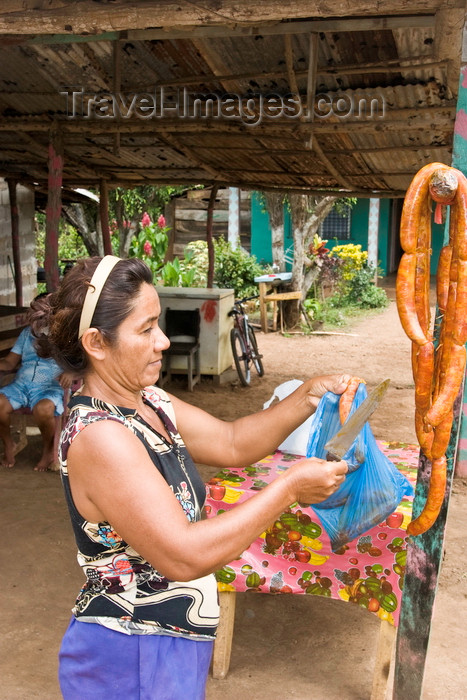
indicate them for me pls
(96, 663)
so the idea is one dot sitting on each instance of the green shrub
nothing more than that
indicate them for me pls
(179, 273)
(236, 269)
(360, 290)
(150, 243)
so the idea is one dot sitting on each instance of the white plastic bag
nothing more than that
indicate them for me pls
(296, 443)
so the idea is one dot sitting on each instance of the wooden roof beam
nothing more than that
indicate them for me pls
(177, 172)
(432, 117)
(29, 181)
(298, 149)
(231, 18)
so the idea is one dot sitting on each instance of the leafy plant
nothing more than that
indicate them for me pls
(236, 269)
(361, 291)
(151, 242)
(178, 273)
(353, 258)
(70, 244)
(325, 312)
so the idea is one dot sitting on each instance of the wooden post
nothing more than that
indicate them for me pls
(424, 556)
(233, 231)
(117, 84)
(263, 308)
(104, 217)
(15, 242)
(373, 231)
(212, 201)
(311, 83)
(170, 222)
(53, 210)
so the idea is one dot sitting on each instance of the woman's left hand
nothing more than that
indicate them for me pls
(316, 387)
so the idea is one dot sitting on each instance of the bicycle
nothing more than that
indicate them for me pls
(243, 342)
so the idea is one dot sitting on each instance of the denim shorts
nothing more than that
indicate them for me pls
(97, 663)
(27, 395)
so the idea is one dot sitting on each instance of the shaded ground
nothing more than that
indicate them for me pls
(284, 646)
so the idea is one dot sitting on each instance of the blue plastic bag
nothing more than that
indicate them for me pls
(373, 487)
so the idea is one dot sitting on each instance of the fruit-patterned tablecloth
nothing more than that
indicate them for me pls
(294, 555)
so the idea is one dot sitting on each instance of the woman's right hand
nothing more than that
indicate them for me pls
(313, 480)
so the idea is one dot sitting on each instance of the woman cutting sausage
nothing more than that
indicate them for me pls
(144, 622)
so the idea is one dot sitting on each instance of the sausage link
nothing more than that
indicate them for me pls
(405, 298)
(434, 499)
(459, 330)
(442, 277)
(347, 397)
(449, 388)
(425, 436)
(414, 359)
(442, 435)
(422, 290)
(425, 371)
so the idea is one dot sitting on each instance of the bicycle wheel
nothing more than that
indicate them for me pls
(240, 356)
(255, 356)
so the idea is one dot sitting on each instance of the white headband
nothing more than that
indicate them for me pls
(96, 285)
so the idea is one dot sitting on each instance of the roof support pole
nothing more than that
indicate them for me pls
(373, 231)
(311, 82)
(104, 216)
(211, 203)
(53, 210)
(233, 232)
(117, 84)
(425, 552)
(15, 245)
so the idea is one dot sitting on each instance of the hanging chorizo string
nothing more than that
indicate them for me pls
(438, 372)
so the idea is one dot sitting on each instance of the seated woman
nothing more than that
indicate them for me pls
(145, 620)
(36, 386)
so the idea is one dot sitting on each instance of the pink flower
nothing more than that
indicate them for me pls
(146, 220)
(127, 224)
(161, 221)
(147, 247)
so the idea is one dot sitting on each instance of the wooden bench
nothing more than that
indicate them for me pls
(276, 298)
(8, 339)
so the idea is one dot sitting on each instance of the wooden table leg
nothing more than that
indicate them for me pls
(263, 307)
(223, 643)
(386, 639)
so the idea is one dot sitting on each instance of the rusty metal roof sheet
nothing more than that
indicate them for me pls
(153, 106)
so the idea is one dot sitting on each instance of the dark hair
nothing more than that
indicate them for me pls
(115, 302)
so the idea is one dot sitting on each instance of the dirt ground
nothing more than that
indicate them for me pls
(284, 646)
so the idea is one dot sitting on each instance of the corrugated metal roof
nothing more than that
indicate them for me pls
(392, 71)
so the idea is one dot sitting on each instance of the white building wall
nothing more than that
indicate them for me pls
(25, 199)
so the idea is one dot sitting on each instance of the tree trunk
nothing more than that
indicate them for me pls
(275, 206)
(83, 219)
(125, 231)
(307, 215)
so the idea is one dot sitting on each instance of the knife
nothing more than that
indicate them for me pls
(342, 441)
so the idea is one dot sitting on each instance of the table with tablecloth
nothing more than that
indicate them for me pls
(294, 555)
